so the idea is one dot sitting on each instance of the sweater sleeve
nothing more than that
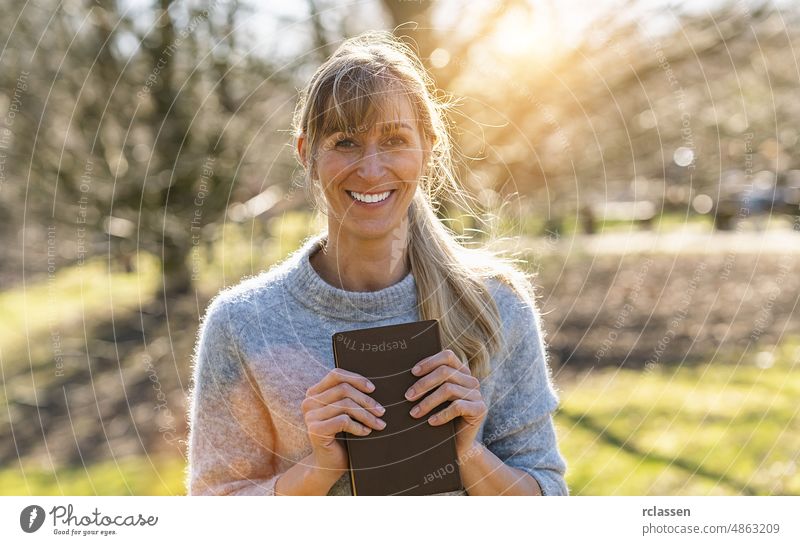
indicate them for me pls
(231, 437)
(519, 425)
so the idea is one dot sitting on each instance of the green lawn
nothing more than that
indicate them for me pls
(124, 477)
(74, 301)
(74, 297)
(714, 429)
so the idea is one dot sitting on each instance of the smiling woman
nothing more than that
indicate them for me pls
(268, 403)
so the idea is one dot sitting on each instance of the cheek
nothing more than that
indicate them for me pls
(408, 165)
(332, 168)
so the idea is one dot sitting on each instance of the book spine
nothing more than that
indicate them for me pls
(452, 424)
(345, 435)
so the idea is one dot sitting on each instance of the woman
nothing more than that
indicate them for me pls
(267, 402)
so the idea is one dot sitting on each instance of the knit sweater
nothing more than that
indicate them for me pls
(263, 342)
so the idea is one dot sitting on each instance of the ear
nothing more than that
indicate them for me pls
(300, 148)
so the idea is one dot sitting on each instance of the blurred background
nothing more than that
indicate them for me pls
(640, 156)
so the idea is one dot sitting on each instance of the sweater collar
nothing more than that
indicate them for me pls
(309, 288)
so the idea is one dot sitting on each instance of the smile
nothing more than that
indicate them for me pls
(370, 198)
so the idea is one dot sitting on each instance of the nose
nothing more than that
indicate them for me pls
(370, 166)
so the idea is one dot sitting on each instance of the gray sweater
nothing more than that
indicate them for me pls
(263, 342)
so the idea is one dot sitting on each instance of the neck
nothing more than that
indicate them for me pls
(354, 264)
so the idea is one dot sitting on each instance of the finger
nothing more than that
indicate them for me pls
(336, 376)
(445, 357)
(440, 375)
(341, 391)
(470, 410)
(330, 427)
(446, 392)
(349, 407)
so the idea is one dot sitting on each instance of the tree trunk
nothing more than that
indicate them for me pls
(177, 275)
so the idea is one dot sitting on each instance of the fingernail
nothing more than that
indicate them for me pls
(370, 386)
(415, 411)
(380, 409)
(416, 369)
(410, 393)
(381, 423)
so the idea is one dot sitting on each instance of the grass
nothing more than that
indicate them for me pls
(125, 477)
(75, 300)
(73, 297)
(712, 429)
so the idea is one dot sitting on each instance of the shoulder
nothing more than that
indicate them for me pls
(220, 338)
(517, 308)
(232, 303)
(524, 366)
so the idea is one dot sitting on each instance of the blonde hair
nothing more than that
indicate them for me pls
(345, 94)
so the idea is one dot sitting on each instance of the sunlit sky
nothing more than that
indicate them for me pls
(555, 25)
(561, 24)
(280, 28)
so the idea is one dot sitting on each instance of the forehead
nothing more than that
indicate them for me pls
(398, 115)
(394, 107)
(386, 110)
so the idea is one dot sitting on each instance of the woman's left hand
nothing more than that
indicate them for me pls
(448, 378)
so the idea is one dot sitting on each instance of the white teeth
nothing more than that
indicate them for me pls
(363, 197)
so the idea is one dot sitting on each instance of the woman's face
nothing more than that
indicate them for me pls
(369, 177)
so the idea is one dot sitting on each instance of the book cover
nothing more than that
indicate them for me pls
(409, 456)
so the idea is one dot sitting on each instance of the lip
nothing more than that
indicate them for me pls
(372, 204)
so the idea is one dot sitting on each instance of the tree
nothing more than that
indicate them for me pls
(141, 135)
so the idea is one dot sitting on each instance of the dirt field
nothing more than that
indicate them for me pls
(640, 310)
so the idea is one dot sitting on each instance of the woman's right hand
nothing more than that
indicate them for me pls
(339, 403)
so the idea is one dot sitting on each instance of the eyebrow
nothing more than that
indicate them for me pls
(386, 127)
(389, 125)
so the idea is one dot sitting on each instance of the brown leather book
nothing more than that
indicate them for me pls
(409, 457)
